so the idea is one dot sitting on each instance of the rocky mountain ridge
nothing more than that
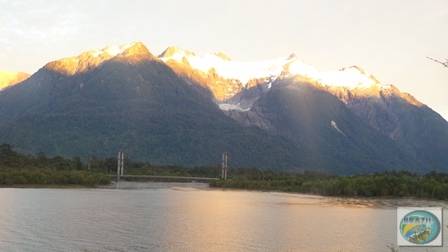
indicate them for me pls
(90, 60)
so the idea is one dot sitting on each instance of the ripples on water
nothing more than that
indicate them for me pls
(130, 216)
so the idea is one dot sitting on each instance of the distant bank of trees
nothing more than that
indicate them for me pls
(387, 184)
(44, 176)
(18, 169)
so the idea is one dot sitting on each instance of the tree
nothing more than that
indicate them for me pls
(42, 158)
(445, 64)
(111, 164)
(8, 156)
(77, 163)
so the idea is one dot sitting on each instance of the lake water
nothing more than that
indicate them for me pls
(192, 217)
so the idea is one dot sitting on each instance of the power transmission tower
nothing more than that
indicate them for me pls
(88, 162)
(224, 165)
(120, 164)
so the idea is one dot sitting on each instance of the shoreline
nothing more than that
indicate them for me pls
(45, 186)
(329, 196)
(201, 185)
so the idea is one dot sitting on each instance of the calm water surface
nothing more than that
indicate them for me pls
(191, 217)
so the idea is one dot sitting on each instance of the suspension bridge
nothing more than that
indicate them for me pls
(120, 171)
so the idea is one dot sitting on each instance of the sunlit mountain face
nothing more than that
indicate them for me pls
(219, 70)
(8, 78)
(91, 60)
(183, 109)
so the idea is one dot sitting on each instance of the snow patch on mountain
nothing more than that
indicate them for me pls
(112, 50)
(351, 77)
(242, 71)
(333, 123)
(228, 106)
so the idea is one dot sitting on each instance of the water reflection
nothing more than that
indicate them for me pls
(242, 221)
(193, 217)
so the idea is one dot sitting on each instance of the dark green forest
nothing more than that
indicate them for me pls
(25, 170)
(40, 170)
(387, 184)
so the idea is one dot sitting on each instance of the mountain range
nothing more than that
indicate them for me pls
(179, 108)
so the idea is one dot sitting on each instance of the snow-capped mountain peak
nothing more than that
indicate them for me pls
(351, 77)
(228, 69)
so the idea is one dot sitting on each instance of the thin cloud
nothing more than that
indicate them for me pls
(26, 25)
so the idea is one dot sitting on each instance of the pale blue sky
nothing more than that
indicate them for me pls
(388, 38)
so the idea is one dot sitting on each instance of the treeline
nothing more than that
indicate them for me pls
(387, 184)
(18, 169)
(45, 176)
